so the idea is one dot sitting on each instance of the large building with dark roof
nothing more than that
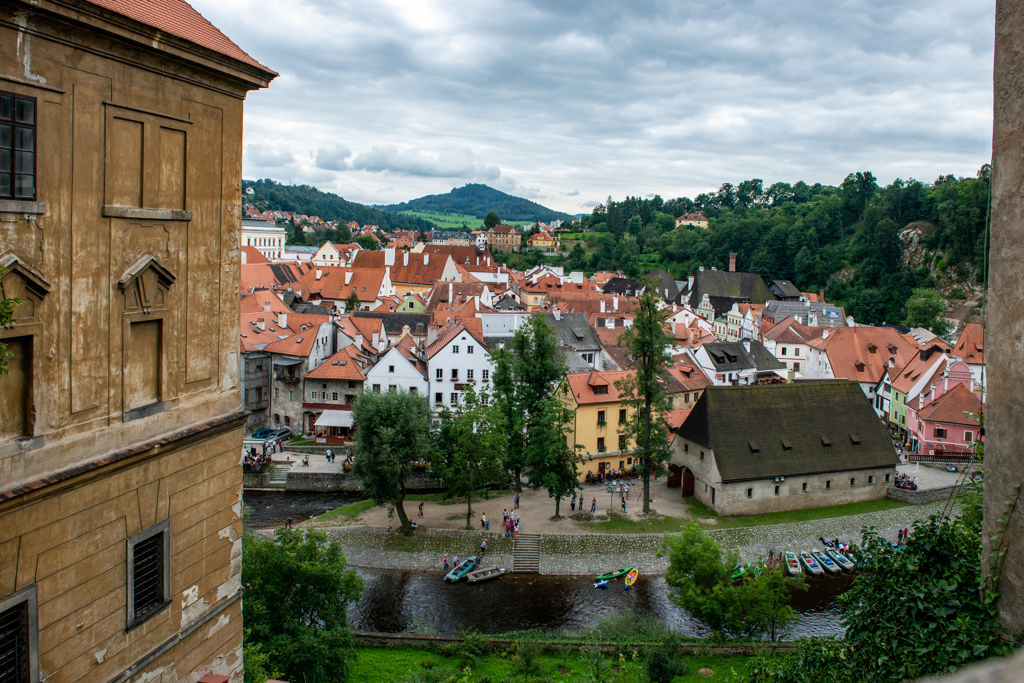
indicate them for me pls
(750, 450)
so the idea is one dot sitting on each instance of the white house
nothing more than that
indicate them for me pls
(264, 236)
(399, 368)
(457, 360)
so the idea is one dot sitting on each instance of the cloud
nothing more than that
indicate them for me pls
(623, 97)
(390, 159)
(333, 159)
(263, 156)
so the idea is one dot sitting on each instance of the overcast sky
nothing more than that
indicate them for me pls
(569, 102)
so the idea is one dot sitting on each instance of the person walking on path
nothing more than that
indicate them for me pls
(623, 505)
(516, 499)
(421, 508)
(483, 547)
(581, 502)
(328, 455)
(445, 560)
(593, 506)
(483, 520)
(573, 504)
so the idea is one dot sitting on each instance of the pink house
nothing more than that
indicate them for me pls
(945, 419)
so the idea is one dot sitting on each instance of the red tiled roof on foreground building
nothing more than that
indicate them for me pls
(180, 19)
(956, 406)
(971, 344)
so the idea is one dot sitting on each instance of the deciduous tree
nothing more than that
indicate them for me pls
(297, 590)
(643, 391)
(490, 220)
(553, 461)
(391, 433)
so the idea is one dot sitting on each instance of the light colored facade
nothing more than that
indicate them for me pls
(398, 369)
(544, 242)
(263, 236)
(121, 420)
(457, 360)
(504, 238)
(599, 413)
(695, 220)
(294, 357)
(453, 238)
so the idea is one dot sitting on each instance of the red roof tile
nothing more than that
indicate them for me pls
(971, 344)
(182, 20)
(953, 407)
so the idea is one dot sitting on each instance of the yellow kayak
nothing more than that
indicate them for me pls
(631, 578)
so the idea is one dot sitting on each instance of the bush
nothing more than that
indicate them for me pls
(471, 648)
(630, 627)
(526, 660)
(665, 661)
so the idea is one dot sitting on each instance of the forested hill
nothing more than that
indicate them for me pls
(893, 254)
(479, 200)
(274, 196)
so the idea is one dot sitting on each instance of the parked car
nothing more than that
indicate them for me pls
(282, 434)
(262, 433)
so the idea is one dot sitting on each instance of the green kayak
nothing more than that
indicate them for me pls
(613, 575)
(461, 569)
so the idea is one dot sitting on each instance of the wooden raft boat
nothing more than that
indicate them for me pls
(485, 574)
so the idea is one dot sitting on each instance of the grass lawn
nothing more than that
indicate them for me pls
(300, 442)
(702, 512)
(455, 221)
(352, 510)
(656, 524)
(383, 665)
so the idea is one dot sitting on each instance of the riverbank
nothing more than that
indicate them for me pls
(577, 554)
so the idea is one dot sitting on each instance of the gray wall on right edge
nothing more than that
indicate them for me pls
(1004, 448)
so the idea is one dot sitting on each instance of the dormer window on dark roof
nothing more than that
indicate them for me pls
(826, 442)
(854, 439)
(787, 445)
(754, 448)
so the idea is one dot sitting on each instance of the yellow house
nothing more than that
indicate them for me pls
(544, 242)
(599, 415)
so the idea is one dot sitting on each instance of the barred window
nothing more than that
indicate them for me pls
(19, 645)
(17, 146)
(149, 573)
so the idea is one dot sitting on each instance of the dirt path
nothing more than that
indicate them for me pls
(535, 510)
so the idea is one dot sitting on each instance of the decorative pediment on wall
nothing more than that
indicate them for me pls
(145, 285)
(24, 283)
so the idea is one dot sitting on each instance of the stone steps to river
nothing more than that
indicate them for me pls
(526, 554)
(279, 475)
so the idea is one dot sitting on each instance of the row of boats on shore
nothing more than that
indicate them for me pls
(831, 560)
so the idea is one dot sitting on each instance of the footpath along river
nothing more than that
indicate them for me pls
(397, 600)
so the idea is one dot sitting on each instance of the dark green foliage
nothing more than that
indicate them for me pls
(699, 572)
(367, 242)
(915, 613)
(664, 662)
(926, 308)
(491, 219)
(297, 589)
(479, 200)
(526, 660)
(304, 199)
(393, 431)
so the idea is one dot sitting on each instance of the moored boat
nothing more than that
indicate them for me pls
(611, 576)
(484, 574)
(792, 564)
(461, 569)
(826, 562)
(631, 578)
(840, 559)
(603, 583)
(812, 565)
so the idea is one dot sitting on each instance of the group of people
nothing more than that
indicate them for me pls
(905, 481)
(510, 520)
(613, 473)
(252, 460)
(901, 536)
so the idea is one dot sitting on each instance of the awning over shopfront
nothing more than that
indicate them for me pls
(335, 418)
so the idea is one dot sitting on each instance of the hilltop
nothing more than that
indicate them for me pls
(477, 200)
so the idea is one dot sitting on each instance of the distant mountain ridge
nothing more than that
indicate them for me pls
(478, 200)
(308, 200)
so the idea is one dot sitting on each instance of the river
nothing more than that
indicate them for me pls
(398, 601)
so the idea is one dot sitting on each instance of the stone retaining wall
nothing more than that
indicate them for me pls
(592, 554)
(311, 479)
(252, 480)
(921, 497)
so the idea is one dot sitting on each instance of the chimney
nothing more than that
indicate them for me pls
(405, 259)
(615, 303)
(348, 276)
(266, 305)
(824, 334)
(451, 297)
(602, 306)
(243, 257)
(821, 296)
(732, 262)
(558, 314)
(319, 273)
(389, 257)
(426, 259)
(702, 269)
(282, 320)
(260, 324)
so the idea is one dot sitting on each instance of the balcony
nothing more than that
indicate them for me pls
(286, 378)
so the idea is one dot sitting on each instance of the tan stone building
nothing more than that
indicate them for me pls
(504, 238)
(121, 417)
